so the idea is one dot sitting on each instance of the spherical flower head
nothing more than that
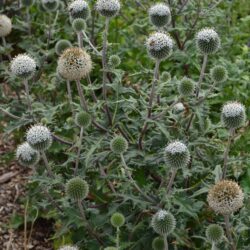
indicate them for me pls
(119, 145)
(219, 74)
(178, 107)
(160, 45)
(233, 115)
(225, 197)
(207, 41)
(114, 61)
(83, 119)
(26, 155)
(78, 25)
(74, 64)
(39, 137)
(214, 233)
(77, 188)
(23, 66)
(186, 87)
(68, 248)
(117, 220)
(108, 8)
(177, 155)
(163, 222)
(27, 3)
(158, 243)
(5, 26)
(160, 15)
(61, 45)
(50, 5)
(166, 76)
(79, 9)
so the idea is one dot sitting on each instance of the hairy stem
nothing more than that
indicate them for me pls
(49, 170)
(117, 238)
(92, 91)
(83, 101)
(228, 232)
(79, 39)
(226, 153)
(70, 97)
(26, 85)
(165, 242)
(171, 181)
(9, 114)
(78, 152)
(91, 44)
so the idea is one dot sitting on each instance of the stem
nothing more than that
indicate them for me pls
(78, 152)
(165, 242)
(92, 91)
(91, 44)
(226, 153)
(105, 68)
(70, 98)
(117, 238)
(9, 114)
(26, 85)
(82, 98)
(171, 181)
(79, 38)
(5, 45)
(228, 231)
(50, 173)
(89, 228)
(59, 139)
(133, 181)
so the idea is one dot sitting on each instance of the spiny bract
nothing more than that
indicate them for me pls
(219, 74)
(177, 155)
(23, 66)
(108, 8)
(79, 9)
(119, 145)
(61, 45)
(5, 25)
(225, 197)
(233, 115)
(166, 76)
(163, 222)
(26, 155)
(160, 14)
(74, 64)
(160, 45)
(186, 87)
(207, 41)
(214, 233)
(83, 119)
(114, 61)
(78, 25)
(117, 220)
(39, 137)
(77, 188)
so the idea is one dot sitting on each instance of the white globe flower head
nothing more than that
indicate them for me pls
(23, 66)
(160, 45)
(5, 26)
(108, 8)
(79, 9)
(26, 155)
(160, 14)
(178, 107)
(68, 248)
(39, 137)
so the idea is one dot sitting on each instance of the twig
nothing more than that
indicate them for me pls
(91, 44)
(70, 97)
(78, 151)
(50, 173)
(9, 114)
(82, 98)
(63, 141)
(26, 85)
(171, 181)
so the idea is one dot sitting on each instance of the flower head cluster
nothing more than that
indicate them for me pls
(219, 74)
(23, 66)
(160, 14)
(26, 155)
(207, 41)
(214, 233)
(61, 45)
(163, 222)
(108, 8)
(159, 45)
(77, 188)
(186, 87)
(68, 248)
(225, 197)
(119, 145)
(177, 155)
(79, 9)
(117, 220)
(233, 115)
(5, 26)
(83, 119)
(78, 25)
(74, 64)
(39, 137)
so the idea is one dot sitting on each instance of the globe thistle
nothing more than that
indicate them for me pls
(160, 45)
(158, 243)
(26, 155)
(108, 8)
(233, 115)
(166, 76)
(78, 25)
(77, 188)
(79, 9)
(83, 119)
(114, 61)
(74, 64)
(160, 14)
(61, 45)
(178, 107)
(5, 26)
(39, 137)
(225, 197)
(219, 74)
(177, 155)
(68, 248)
(50, 5)
(117, 220)
(163, 222)
(207, 41)
(23, 66)
(186, 87)
(214, 233)
(27, 3)
(119, 145)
